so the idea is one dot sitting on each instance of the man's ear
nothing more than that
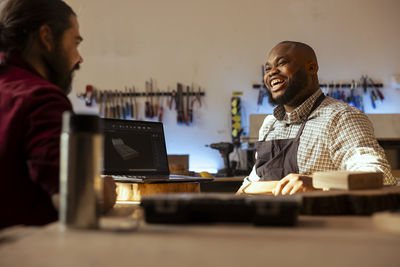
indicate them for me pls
(46, 37)
(312, 67)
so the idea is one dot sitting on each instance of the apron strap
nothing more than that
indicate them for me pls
(316, 104)
(269, 130)
(314, 107)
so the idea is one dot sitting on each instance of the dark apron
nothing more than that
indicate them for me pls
(278, 158)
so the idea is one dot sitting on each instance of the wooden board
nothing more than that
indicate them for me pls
(356, 202)
(351, 180)
(178, 164)
(134, 191)
(339, 202)
(260, 187)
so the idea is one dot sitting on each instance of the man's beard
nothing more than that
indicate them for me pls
(296, 84)
(59, 73)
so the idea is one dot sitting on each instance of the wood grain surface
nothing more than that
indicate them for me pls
(353, 202)
(135, 191)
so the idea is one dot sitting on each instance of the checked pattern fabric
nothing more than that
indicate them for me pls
(336, 136)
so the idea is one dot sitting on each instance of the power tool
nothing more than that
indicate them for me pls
(224, 149)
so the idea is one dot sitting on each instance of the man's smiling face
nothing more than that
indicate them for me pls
(285, 75)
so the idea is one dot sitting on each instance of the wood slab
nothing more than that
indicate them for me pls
(355, 202)
(260, 187)
(135, 191)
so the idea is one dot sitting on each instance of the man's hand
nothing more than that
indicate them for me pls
(109, 193)
(293, 183)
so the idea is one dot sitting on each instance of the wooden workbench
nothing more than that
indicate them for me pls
(222, 184)
(134, 191)
(124, 241)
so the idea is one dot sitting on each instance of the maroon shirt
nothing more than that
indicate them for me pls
(30, 124)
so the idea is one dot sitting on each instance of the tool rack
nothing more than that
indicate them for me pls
(117, 93)
(121, 104)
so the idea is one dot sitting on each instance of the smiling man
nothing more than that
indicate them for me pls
(309, 132)
(39, 43)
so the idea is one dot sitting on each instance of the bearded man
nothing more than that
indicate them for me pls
(39, 42)
(308, 131)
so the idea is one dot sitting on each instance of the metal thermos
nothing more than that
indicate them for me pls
(81, 155)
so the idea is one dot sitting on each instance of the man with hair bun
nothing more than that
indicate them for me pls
(39, 42)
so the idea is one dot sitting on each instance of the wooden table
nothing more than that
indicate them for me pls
(125, 241)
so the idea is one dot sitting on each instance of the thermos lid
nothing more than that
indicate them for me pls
(81, 123)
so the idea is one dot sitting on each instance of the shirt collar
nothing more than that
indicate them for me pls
(17, 61)
(300, 113)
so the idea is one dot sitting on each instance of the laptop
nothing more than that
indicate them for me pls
(135, 151)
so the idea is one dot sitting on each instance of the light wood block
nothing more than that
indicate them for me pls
(260, 187)
(135, 191)
(348, 180)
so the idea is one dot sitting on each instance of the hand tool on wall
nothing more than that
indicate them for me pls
(342, 95)
(372, 101)
(109, 105)
(89, 95)
(189, 111)
(147, 103)
(151, 99)
(134, 107)
(161, 110)
(117, 105)
(364, 83)
(373, 84)
(112, 106)
(156, 93)
(157, 103)
(122, 104)
(105, 103)
(374, 96)
(356, 93)
(197, 98)
(168, 98)
(181, 114)
(350, 96)
(174, 98)
(127, 103)
(380, 93)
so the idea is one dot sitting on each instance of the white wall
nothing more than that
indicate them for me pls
(221, 44)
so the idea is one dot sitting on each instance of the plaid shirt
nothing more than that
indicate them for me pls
(336, 137)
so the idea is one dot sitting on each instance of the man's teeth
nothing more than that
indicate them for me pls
(276, 81)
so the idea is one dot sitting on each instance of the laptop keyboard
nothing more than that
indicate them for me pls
(131, 178)
(126, 177)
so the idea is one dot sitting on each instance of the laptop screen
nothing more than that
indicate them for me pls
(134, 148)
